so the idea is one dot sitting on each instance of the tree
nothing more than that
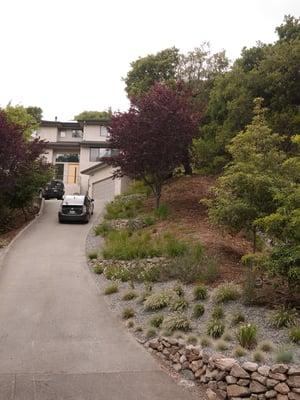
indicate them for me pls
(93, 115)
(153, 136)
(247, 190)
(23, 118)
(35, 112)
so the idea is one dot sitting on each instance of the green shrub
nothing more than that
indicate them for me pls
(162, 212)
(258, 357)
(138, 329)
(123, 207)
(93, 255)
(237, 318)
(200, 292)
(217, 313)
(98, 269)
(110, 289)
(178, 289)
(266, 347)
(226, 292)
(138, 187)
(215, 328)
(246, 335)
(191, 339)
(156, 320)
(128, 313)
(227, 337)
(240, 351)
(284, 356)
(130, 295)
(176, 322)
(157, 301)
(130, 324)
(148, 220)
(205, 341)
(198, 311)
(178, 304)
(113, 272)
(221, 345)
(294, 334)
(174, 247)
(102, 229)
(151, 332)
(284, 317)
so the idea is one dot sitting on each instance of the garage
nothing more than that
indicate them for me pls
(104, 190)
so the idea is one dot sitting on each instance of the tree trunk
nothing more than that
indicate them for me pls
(187, 165)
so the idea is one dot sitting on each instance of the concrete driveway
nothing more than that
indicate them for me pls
(58, 339)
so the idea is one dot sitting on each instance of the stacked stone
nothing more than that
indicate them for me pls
(134, 223)
(138, 263)
(225, 377)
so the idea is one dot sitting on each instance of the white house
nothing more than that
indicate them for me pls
(76, 150)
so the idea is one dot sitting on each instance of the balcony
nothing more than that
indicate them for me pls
(70, 135)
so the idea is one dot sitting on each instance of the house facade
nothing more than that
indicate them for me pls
(74, 148)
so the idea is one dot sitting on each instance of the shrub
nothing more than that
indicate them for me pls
(130, 324)
(93, 255)
(266, 347)
(102, 229)
(156, 320)
(200, 292)
(138, 187)
(240, 351)
(178, 335)
(198, 311)
(205, 341)
(148, 220)
(246, 335)
(130, 295)
(174, 247)
(162, 211)
(258, 357)
(191, 339)
(221, 345)
(128, 313)
(227, 337)
(215, 328)
(294, 334)
(110, 289)
(178, 289)
(176, 322)
(284, 317)
(157, 301)
(178, 304)
(237, 318)
(226, 292)
(98, 269)
(113, 272)
(123, 207)
(284, 356)
(217, 312)
(151, 332)
(138, 329)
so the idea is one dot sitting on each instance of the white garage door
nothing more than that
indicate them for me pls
(104, 190)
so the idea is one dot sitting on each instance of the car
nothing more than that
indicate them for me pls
(76, 208)
(54, 189)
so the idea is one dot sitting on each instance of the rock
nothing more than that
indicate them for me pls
(153, 344)
(220, 376)
(212, 385)
(294, 381)
(271, 383)
(186, 383)
(253, 396)
(211, 373)
(243, 382)
(277, 375)
(250, 366)
(182, 359)
(231, 379)
(222, 385)
(222, 394)
(238, 372)
(195, 365)
(200, 372)
(294, 396)
(211, 395)
(264, 370)
(225, 364)
(237, 391)
(261, 397)
(282, 397)
(296, 390)
(256, 387)
(282, 388)
(279, 368)
(177, 367)
(294, 371)
(270, 394)
(259, 378)
(188, 374)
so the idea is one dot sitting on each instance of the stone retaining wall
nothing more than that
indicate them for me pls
(225, 377)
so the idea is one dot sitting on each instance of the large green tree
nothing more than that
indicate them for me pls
(26, 118)
(93, 115)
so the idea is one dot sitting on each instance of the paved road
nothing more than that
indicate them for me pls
(58, 339)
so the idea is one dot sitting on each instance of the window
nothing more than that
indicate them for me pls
(67, 157)
(62, 134)
(77, 134)
(97, 153)
(103, 131)
(59, 172)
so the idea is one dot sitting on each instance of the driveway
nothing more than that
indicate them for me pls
(58, 339)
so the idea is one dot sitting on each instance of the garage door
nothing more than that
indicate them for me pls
(104, 190)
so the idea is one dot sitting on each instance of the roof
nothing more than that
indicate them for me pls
(62, 125)
(95, 122)
(93, 168)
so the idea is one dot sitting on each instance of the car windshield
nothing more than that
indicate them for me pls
(73, 201)
(56, 184)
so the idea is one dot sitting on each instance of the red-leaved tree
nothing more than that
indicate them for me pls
(153, 137)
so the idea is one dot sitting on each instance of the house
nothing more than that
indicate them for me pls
(76, 149)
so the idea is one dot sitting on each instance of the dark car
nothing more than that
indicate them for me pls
(53, 190)
(76, 208)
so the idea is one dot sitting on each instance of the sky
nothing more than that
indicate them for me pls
(67, 56)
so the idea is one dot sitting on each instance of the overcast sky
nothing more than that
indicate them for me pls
(67, 56)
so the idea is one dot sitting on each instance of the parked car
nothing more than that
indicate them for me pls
(76, 208)
(53, 190)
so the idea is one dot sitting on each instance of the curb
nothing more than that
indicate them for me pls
(22, 231)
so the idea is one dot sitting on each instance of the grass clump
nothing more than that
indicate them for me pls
(200, 292)
(192, 339)
(138, 187)
(227, 337)
(93, 255)
(112, 272)
(98, 269)
(157, 301)
(130, 324)
(205, 341)
(148, 220)
(176, 322)
(178, 289)
(130, 295)
(174, 247)
(294, 334)
(123, 207)
(110, 289)
(138, 328)
(198, 310)
(237, 318)
(246, 335)
(221, 345)
(240, 351)
(226, 292)
(151, 332)
(284, 356)
(266, 347)
(217, 312)
(215, 329)
(283, 317)
(102, 229)
(258, 357)
(156, 320)
(178, 304)
(162, 212)
(128, 313)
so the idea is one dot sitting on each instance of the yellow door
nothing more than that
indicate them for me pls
(73, 173)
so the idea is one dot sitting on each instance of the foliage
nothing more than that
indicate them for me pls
(19, 115)
(138, 187)
(200, 292)
(178, 289)
(258, 357)
(102, 229)
(123, 207)
(150, 151)
(205, 341)
(111, 289)
(148, 220)
(93, 255)
(130, 324)
(198, 311)
(240, 351)
(237, 318)
(127, 313)
(284, 356)
(221, 345)
(226, 292)
(294, 334)
(151, 332)
(217, 313)
(162, 211)
(174, 247)
(284, 317)
(93, 116)
(178, 304)
(215, 328)
(130, 295)
(227, 337)
(98, 269)
(35, 112)
(156, 320)
(246, 335)
(192, 339)
(266, 347)
(176, 322)
(157, 301)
